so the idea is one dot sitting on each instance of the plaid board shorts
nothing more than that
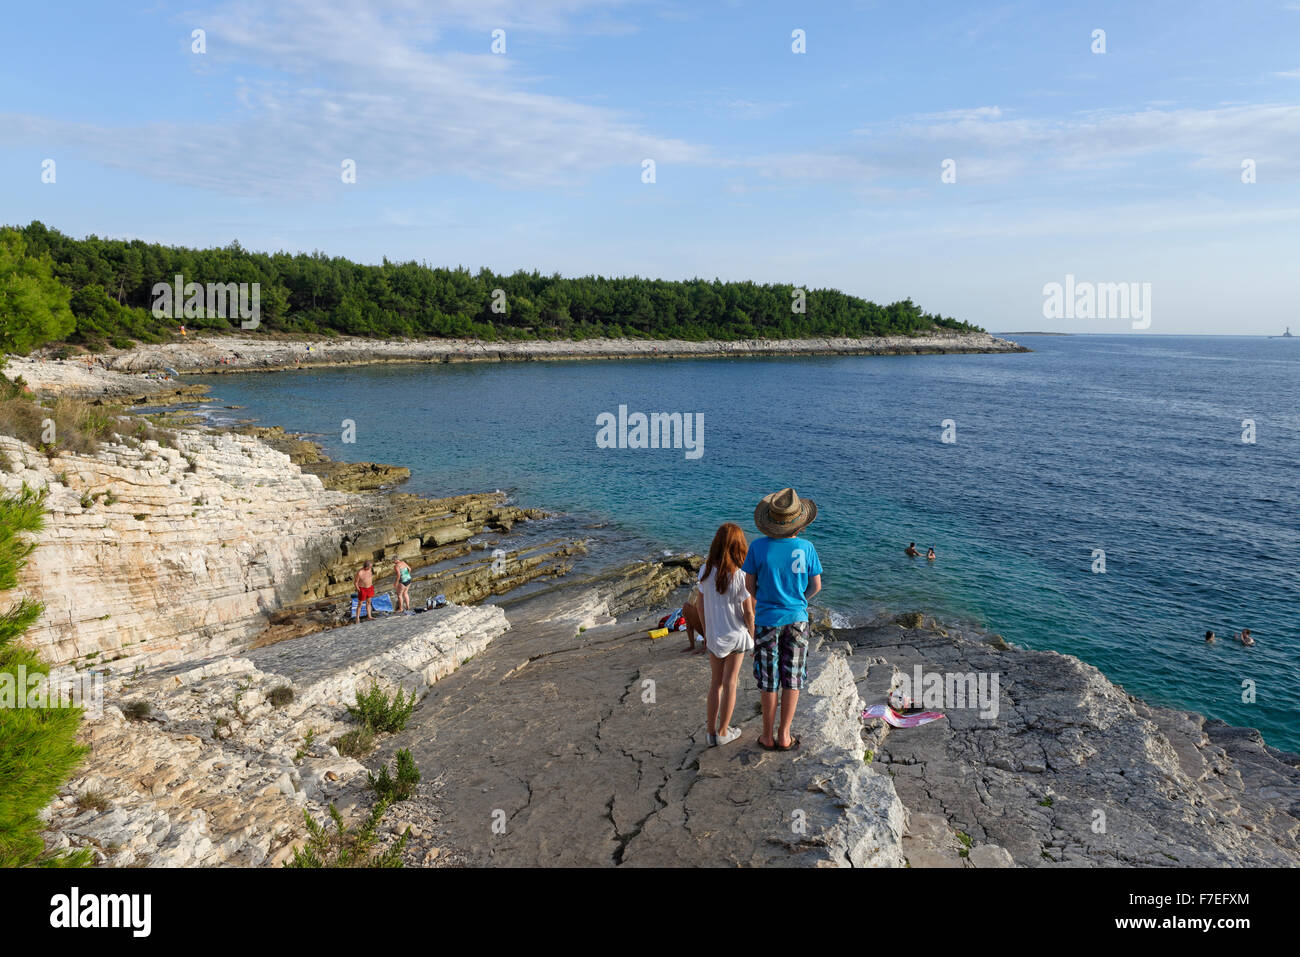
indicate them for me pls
(781, 656)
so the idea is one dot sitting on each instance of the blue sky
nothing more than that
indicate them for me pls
(820, 169)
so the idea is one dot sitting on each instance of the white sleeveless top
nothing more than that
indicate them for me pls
(724, 615)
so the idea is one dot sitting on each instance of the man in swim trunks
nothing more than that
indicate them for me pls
(365, 585)
(910, 551)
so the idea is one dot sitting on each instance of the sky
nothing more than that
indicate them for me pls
(821, 168)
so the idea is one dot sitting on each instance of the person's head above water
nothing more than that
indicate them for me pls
(1209, 636)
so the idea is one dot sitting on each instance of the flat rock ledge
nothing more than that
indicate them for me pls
(1071, 771)
(583, 740)
(820, 806)
(218, 774)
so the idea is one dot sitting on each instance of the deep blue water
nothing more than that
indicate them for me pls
(1130, 444)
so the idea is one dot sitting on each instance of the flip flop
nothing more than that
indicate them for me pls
(768, 747)
(792, 746)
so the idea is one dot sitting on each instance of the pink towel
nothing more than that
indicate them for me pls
(896, 720)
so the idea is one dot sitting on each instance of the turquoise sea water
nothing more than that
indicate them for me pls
(1132, 445)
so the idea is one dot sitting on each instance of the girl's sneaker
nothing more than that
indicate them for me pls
(731, 734)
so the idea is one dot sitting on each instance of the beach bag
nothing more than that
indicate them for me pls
(673, 622)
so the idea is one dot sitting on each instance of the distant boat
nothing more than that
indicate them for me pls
(1285, 335)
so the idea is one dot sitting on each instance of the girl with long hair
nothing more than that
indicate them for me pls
(726, 610)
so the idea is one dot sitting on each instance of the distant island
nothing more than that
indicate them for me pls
(110, 295)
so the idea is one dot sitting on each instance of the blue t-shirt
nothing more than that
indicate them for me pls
(782, 567)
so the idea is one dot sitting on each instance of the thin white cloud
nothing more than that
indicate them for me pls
(991, 145)
(372, 83)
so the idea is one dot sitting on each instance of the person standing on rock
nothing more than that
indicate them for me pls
(365, 585)
(402, 585)
(726, 620)
(782, 572)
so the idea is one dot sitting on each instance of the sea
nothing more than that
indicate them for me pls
(1109, 497)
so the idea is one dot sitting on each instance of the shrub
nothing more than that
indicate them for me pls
(356, 743)
(280, 696)
(375, 710)
(137, 710)
(38, 746)
(344, 848)
(399, 788)
(92, 800)
(79, 426)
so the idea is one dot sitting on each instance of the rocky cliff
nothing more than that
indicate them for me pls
(199, 542)
(156, 553)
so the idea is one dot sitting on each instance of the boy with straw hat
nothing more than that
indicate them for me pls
(782, 572)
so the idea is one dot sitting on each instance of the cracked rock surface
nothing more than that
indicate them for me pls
(1072, 771)
(577, 741)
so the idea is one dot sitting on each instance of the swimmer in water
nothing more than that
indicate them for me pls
(910, 551)
(1209, 637)
(1245, 637)
(930, 556)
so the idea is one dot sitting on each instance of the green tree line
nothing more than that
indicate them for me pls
(111, 284)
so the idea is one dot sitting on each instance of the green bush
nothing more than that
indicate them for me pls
(400, 787)
(38, 746)
(137, 710)
(355, 743)
(344, 848)
(33, 302)
(376, 711)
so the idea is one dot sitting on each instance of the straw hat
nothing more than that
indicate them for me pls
(784, 513)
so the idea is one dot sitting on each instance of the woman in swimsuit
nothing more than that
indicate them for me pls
(403, 586)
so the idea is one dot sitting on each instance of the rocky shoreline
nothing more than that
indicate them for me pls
(253, 352)
(552, 706)
(1073, 771)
